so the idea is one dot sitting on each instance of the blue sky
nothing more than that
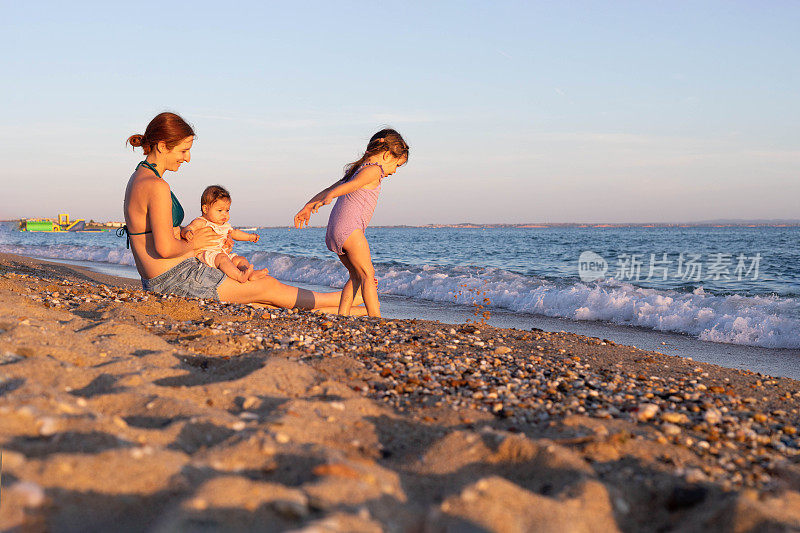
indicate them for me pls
(515, 112)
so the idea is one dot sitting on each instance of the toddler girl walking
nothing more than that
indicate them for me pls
(357, 194)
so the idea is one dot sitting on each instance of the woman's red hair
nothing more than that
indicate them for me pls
(167, 127)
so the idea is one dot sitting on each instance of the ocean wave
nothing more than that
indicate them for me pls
(100, 254)
(766, 321)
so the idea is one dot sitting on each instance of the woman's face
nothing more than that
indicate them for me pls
(179, 154)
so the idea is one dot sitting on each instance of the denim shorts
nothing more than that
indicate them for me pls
(189, 278)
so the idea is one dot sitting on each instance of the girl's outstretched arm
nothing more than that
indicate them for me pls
(365, 177)
(302, 217)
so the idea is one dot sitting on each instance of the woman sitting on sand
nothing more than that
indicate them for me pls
(166, 263)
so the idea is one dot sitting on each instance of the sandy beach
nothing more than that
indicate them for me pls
(126, 410)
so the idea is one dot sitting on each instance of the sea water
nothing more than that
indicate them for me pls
(737, 285)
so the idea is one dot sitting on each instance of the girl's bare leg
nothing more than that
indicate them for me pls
(356, 248)
(351, 288)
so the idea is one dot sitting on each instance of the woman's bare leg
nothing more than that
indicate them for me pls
(270, 291)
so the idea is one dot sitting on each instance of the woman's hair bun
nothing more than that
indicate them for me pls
(136, 140)
(166, 127)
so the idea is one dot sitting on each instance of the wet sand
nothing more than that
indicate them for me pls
(126, 410)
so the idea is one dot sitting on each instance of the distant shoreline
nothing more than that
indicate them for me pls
(469, 225)
(547, 225)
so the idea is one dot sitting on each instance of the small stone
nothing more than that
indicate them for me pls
(198, 504)
(268, 449)
(502, 350)
(337, 470)
(695, 475)
(282, 438)
(13, 460)
(646, 411)
(32, 494)
(10, 357)
(712, 416)
(469, 495)
(48, 426)
(760, 418)
(675, 418)
(293, 510)
(250, 401)
(670, 429)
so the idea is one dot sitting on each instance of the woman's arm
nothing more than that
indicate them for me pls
(159, 212)
(366, 176)
(187, 232)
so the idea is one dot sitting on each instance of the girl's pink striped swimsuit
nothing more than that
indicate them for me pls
(351, 211)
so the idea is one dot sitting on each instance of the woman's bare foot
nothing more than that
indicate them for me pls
(356, 310)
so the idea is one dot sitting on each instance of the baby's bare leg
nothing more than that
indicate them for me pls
(243, 264)
(224, 263)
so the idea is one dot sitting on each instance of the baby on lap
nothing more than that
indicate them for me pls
(216, 205)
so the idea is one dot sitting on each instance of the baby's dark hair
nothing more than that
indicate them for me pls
(214, 193)
(386, 140)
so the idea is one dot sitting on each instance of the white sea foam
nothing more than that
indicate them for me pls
(767, 321)
(103, 254)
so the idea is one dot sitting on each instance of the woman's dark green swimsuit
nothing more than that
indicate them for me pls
(177, 210)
